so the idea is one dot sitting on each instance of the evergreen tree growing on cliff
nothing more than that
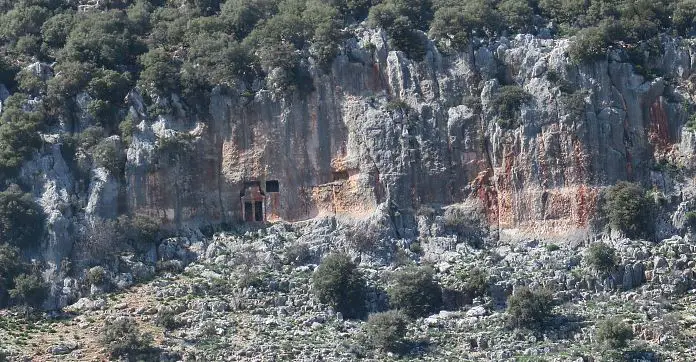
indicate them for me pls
(628, 209)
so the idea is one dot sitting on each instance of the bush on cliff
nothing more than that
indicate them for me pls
(19, 136)
(338, 282)
(401, 20)
(529, 309)
(29, 290)
(629, 210)
(592, 43)
(614, 333)
(122, 338)
(601, 257)
(21, 219)
(475, 282)
(506, 105)
(386, 330)
(415, 292)
(107, 154)
(10, 267)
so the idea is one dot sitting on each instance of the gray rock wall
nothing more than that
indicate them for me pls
(348, 146)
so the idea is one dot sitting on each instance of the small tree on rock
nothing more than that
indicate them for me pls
(614, 333)
(29, 290)
(121, 338)
(386, 330)
(529, 309)
(601, 257)
(415, 292)
(21, 219)
(628, 209)
(338, 282)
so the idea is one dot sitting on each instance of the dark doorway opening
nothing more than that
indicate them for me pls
(258, 210)
(248, 212)
(272, 186)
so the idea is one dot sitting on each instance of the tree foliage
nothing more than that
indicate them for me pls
(628, 209)
(386, 330)
(506, 104)
(21, 219)
(530, 308)
(601, 257)
(338, 282)
(122, 338)
(29, 290)
(614, 333)
(415, 292)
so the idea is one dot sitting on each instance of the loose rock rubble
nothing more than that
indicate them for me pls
(248, 297)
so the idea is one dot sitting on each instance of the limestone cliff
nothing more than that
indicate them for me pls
(352, 144)
(381, 129)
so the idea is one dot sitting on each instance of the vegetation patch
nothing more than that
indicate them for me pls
(629, 210)
(528, 308)
(338, 282)
(415, 292)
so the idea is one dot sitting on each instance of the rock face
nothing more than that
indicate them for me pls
(381, 138)
(380, 127)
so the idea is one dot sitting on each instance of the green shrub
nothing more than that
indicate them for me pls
(386, 330)
(103, 39)
(564, 11)
(160, 74)
(684, 16)
(399, 21)
(121, 338)
(629, 210)
(144, 229)
(97, 276)
(338, 282)
(29, 290)
(126, 129)
(551, 247)
(298, 254)
(110, 86)
(529, 309)
(108, 154)
(591, 43)
(10, 267)
(690, 219)
(397, 105)
(506, 104)
(55, 30)
(465, 224)
(601, 257)
(21, 219)
(30, 83)
(70, 79)
(167, 320)
(614, 333)
(414, 291)
(415, 247)
(22, 20)
(518, 15)
(8, 73)
(19, 136)
(476, 282)
(457, 22)
(243, 15)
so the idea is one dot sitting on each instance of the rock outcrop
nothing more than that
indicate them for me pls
(382, 137)
(383, 128)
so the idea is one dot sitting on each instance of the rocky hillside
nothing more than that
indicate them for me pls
(249, 296)
(184, 168)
